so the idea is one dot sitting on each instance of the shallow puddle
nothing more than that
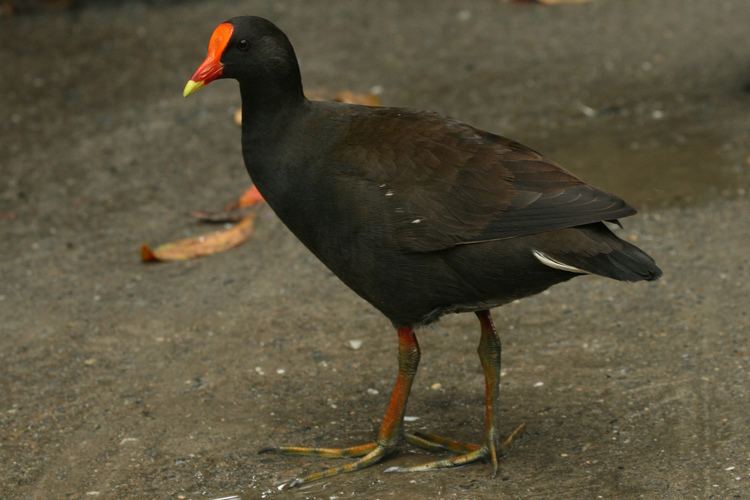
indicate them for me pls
(664, 164)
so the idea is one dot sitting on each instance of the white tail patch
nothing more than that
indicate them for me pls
(556, 264)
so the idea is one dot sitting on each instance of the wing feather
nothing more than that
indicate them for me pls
(443, 183)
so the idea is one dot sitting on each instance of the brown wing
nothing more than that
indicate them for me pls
(444, 183)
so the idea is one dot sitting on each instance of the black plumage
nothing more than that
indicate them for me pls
(419, 214)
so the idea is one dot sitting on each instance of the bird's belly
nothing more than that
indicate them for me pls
(410, 288)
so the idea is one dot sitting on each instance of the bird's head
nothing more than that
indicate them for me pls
(249, 49)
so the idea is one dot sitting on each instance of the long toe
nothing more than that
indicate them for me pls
(432, 442)
(373, 457)
(454, 461)
(465, 452)
(352, 451)
(516, 434)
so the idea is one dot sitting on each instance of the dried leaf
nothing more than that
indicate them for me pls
(199, 246)
(233, 212)
(250, 197)
(12, 7)
(318, 95)
(7, 8)
(350, 97)
(554, 2)
(219, 217)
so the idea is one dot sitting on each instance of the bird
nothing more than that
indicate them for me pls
(419, 214)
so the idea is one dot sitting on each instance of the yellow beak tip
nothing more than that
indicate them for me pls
(191, 87)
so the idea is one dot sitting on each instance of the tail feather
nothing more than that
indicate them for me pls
(597, 250)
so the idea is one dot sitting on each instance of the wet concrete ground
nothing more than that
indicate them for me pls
(125, 380)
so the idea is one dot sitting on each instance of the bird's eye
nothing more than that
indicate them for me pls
(243, 45)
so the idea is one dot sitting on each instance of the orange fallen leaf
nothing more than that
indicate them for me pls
(250, 197)
(200, 246)
(350, 97)
(233, 212)
(318, 95)
(554, 2)
(218, 217)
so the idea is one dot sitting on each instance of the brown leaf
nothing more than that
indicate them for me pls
(233, 212)
(554, 2)
(318, 95)
(561, 2)
(350, 97)
(200, 246)
(558, 2)
(250, 197)
(7, 8)
(218, 217)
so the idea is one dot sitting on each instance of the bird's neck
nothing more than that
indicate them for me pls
(267, 107)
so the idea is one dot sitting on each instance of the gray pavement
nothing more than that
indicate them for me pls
(122, 380)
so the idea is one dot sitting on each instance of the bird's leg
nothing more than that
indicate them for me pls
(489, 354)
(391, 429)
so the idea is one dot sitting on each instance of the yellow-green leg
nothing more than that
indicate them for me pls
(391, 429)
(490, 351)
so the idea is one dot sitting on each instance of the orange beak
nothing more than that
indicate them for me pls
(211, 68)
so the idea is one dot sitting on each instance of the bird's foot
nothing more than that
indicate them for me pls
(466, 452)
(373, 452)
(370, 453)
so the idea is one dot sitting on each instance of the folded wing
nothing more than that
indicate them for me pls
(444, 183)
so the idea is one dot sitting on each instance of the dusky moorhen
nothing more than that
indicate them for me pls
(419, 214)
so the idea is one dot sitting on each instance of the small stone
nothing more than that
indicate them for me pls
(259, 370)
(539, 384)
(372, 391)
(587, 111)
(89, 362)
(355, 344)
(409, 418)
(436, 386)
(280, 371)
